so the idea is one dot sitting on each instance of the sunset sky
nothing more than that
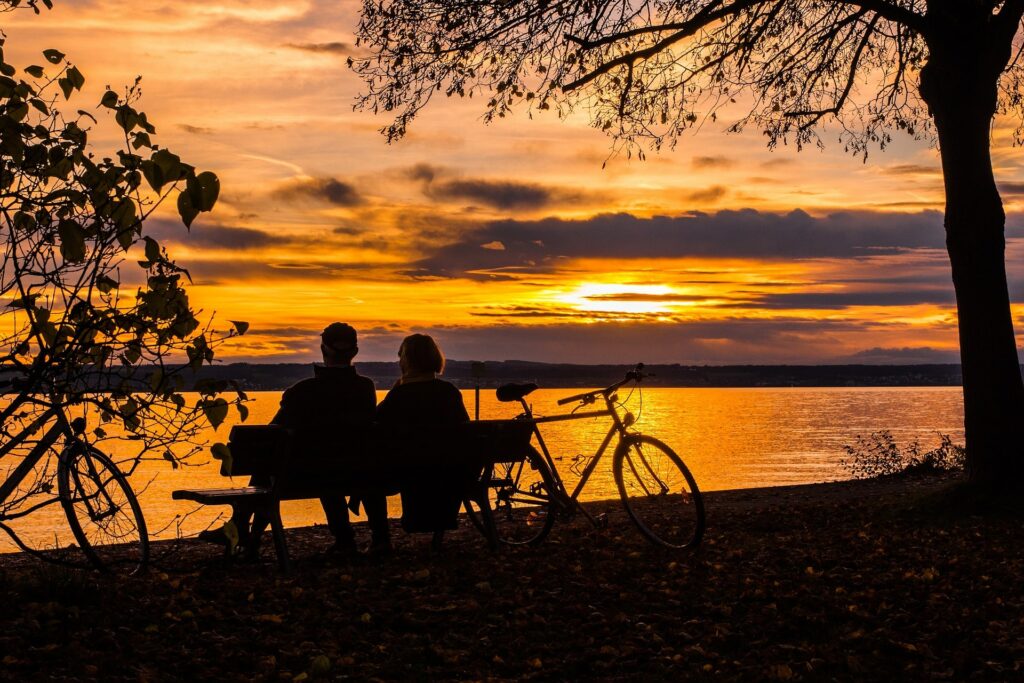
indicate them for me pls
(509, 240)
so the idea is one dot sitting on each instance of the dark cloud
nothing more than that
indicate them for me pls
(216, 271)
(695, 342)
(285, 332)
(708, 195)
(333, 48)
(1011, 188)
(912, 169)
(838, 300)
(330, 190)
(424, 172)
(539, 246)
(497, 194)
(235, 238)
(439, 184)
(906, 205)
(713, 162)
(730, 341)
(195, 130)
(214, 236)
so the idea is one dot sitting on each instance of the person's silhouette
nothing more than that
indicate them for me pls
(420, 400)
(320, 410)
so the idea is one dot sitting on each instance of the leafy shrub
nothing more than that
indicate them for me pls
(878, 455)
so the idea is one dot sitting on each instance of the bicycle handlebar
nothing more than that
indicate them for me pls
(635, 375)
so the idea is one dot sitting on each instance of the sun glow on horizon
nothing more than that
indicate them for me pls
(623, 298)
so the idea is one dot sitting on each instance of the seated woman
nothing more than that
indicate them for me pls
(419, 400)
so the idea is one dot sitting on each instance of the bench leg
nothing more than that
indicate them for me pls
(277, 529)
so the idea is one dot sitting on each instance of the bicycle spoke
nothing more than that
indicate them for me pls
(659, 493)
(521, 502)
(102, 510)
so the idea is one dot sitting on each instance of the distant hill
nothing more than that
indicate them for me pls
(270, 377)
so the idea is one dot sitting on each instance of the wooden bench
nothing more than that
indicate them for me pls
(375, 458)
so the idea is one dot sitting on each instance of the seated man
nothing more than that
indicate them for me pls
(318, 410)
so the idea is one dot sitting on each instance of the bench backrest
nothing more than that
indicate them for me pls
(273, 450)
(259, 450)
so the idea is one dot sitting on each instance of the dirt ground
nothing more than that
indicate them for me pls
(854, 581)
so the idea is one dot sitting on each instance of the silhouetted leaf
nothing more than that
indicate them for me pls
(106, 284)
(216, 410)
(72, 241)
(75, 77)
(109, 99)
(152, 249)
(154, 176)
(53, 56)
(207, 189)
(186, 209)
(169, 457)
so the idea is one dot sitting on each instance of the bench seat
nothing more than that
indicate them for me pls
(222, 496)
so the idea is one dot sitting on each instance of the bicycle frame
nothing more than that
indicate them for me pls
(49, 438)
(618, 427)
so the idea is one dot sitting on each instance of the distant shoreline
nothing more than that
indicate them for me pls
(279, 376)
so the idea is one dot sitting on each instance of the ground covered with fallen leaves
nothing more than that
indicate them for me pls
(871, 580)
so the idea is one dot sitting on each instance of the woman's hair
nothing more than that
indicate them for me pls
(422, 353)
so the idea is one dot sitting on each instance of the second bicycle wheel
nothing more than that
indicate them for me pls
(659, 493)
(520, 497)
(102, 510)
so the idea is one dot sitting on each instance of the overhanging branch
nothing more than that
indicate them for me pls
(851, 76)
(686, 29)
(887, 10)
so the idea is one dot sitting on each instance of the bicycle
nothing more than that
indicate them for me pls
(102, 510)
(657, 490)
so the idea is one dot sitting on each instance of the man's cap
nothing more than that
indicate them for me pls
(339, 336)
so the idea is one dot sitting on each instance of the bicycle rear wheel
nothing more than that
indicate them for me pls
(102, 510)
(658, 492)
(520, 496)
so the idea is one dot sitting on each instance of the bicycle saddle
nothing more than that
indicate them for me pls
(514, 392)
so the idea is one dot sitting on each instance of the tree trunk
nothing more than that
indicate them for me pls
(961, 93)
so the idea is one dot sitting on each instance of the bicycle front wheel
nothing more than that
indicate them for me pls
(102, 510)
(658, 492)
(521, 499)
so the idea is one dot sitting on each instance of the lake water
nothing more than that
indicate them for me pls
(729, 438)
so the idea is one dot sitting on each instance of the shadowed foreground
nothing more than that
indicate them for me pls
(846, 581)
